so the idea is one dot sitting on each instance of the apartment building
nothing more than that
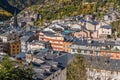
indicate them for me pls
(56, 41)
(102, 68)
(14, 47)
(112, 54)
(35, 45)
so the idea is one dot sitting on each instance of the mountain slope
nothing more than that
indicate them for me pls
(21, 4)
(6, 6)
(17, 5)
(58, 9)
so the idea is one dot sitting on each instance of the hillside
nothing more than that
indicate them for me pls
(12, 5)
(58, 9)
(52, 9)
(4, 15)
(21, 4)
(17, 5)
(6, 6)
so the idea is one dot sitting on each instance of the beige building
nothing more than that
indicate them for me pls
(14, 48)
(92, 25)
(67, 46)
(56, 41)
(82, 33)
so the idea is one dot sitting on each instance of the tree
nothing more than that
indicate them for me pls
(115, 27)
(78, 50)
(94, 7)
(9, 72)
(76, 70)
(88, 9)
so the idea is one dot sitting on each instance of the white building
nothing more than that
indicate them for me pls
(104, 31)
(99, 74)
(35, 45)
(92, 25)
(24, 40)
(102, 68)
(3, 38)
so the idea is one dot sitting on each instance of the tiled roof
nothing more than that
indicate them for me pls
(21, 55)
(103, 63)
(93, 22)
(52, 61)
(106, 27)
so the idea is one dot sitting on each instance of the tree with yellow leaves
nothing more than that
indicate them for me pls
(76, 70)
(94, 8)
(88, 8)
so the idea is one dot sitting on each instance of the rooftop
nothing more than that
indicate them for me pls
(81, 41)
(49, 62)
(93, 22)
(51, 34)
(106, 27)
(103, 63)
(25, 38)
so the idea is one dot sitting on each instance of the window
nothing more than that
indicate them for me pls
(117, 56)
(17, 49)
(56, 75)
(13, 49)
(53, 77)
(73, 50)
(13, 46)
(98, 78)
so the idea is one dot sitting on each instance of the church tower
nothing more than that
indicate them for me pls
(15, 24)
